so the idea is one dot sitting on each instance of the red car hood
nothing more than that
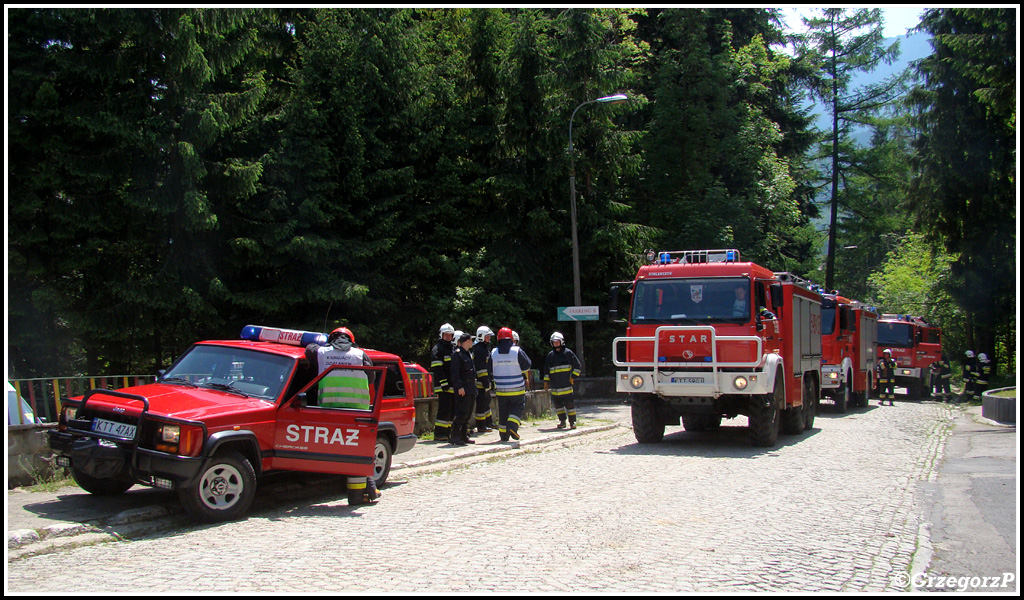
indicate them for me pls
(180, 401)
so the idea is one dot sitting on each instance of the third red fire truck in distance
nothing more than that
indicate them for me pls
(915, 345)
(709, 337)
(848, 332)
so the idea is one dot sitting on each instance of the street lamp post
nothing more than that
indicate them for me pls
(616, 99)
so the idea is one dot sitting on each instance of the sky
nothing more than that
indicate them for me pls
(897, 19)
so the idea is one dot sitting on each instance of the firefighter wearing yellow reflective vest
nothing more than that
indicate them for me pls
(561, 367)
(509, 364)
(345, 388)
(440, 365)
(887, 378)
(482, 361)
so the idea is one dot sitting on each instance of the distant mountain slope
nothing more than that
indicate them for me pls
(912, 47)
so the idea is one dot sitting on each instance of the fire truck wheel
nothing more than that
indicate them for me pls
(701, 422)
(381, 461)
(763, 421)
(842, 397)
(648, 426)
(810, 403)
(105, 486)
(793, 420)
(223, 491)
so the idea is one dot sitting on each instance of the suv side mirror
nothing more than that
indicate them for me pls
(301, 400)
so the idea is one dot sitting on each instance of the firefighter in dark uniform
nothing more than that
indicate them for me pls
(561, 367)
(970, 374)
(886, 378)
(440, 365)
(984, 372)
(482, 359)
(509, 364)
(942, 379)
(463, 380)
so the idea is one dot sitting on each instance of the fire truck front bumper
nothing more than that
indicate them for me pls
(695, 384)
(831, 377)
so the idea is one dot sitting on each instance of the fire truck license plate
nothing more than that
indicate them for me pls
(687, 380)
(113, 428)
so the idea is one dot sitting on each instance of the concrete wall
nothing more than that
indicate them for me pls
(999, 408)
(28, 454)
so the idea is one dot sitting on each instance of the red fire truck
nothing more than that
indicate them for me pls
(915, 345)
(710, 336)
(848, 330)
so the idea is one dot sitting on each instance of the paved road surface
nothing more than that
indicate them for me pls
(833, 509)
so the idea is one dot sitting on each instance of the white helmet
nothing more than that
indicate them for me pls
(515, 338)
(557, 336)
(969, 353)
(983, 357)
(887, 351)
(482, 332)
(458, 334)
(446, 328)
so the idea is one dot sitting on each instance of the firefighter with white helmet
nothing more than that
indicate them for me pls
(984, 372)
(561, 367)
(510, 364)
(344, 388)
(970, 375)
(482, 359)
(887, 378)
(440, 366)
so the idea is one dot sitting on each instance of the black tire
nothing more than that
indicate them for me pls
(763, 425)
(793, 420)
(382, 454)
(810, 402)
(648, 426)
(107, 486)
(842, 397)
(224, 490)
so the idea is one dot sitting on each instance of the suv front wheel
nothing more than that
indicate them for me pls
(223, 492)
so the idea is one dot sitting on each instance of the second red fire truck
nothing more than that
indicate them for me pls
(710, 337)
(848, 356)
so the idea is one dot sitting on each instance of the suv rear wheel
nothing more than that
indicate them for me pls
(223, 492)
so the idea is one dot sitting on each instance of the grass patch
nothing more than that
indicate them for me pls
(1006, 393)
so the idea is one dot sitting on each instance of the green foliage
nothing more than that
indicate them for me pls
(965, 193)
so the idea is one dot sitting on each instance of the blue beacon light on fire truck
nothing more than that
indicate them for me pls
(257, 333)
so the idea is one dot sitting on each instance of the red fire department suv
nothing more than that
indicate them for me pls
(228, 411)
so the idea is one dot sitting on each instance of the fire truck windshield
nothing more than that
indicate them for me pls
(692, 300)
(898, 335)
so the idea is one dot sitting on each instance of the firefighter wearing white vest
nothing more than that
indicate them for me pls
(342, 388)
(509, 364)
(561, 367)
(482, 360)
(440, 364)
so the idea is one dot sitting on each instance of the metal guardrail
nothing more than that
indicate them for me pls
(44, 394)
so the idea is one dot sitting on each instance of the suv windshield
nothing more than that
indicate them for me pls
(898, 335)
(690, 301)
(238, 370)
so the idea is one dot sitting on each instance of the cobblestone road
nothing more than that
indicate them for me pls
(832, 509)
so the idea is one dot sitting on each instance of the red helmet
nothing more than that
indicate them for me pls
(504, 333)
(340, 331)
